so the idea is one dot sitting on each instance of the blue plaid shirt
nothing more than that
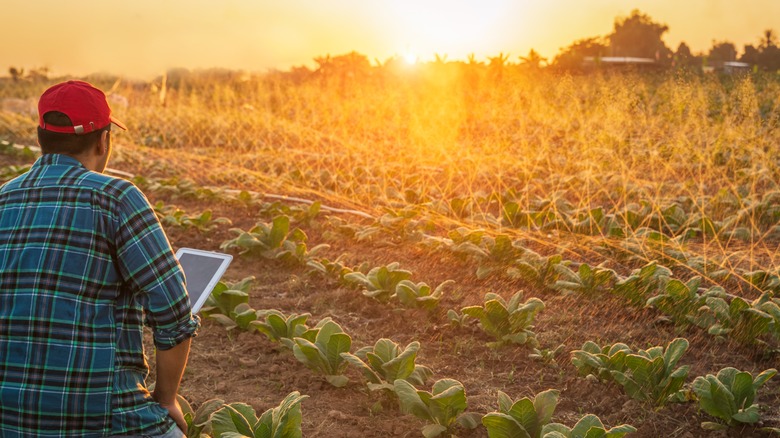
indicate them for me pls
(83, 262)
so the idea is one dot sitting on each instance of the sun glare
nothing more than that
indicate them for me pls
(410, 58)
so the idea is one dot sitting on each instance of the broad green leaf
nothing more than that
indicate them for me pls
(410, 400)
(523, 411)
(544, 405)
(433, 430)
(503, 426)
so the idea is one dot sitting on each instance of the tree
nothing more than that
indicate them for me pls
(572, 57)
(638, 35)
(769, 53)
(683, 58)
(533, 60)
(722, 52)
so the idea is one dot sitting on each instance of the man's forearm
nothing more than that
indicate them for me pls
(170, 368)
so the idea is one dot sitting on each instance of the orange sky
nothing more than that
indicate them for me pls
(141, 38)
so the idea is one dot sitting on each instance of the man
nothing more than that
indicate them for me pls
(83, 263)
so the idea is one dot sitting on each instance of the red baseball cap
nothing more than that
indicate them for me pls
(85, 105)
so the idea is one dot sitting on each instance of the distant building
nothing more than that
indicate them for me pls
(728, 67)
(619, 62)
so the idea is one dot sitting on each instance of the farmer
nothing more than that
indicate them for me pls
(83, 264)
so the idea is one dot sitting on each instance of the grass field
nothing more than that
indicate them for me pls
(564, 187)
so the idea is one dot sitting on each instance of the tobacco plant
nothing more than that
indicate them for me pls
(420, 295)
(645, 375)
(443, 407)
(279, 327)
(491, 253)
(274, 240)
(538, 270)
(225, 298)
(586, 281)
(524, 418)
(589, 426)
(738, 319)
(379, 283)
(386, 362)
(682, 301)
(730, 396)
(240, 420)
(320, 349)
(642, 283)
(508, 322)
(199, 422)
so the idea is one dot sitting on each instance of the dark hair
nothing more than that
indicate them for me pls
(63, 143)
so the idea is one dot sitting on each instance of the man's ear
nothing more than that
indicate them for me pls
(103, 143)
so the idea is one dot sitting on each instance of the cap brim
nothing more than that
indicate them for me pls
(118, 123)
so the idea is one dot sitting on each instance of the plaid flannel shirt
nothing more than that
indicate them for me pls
(83, 262)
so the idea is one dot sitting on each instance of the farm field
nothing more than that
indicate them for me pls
(627, 209)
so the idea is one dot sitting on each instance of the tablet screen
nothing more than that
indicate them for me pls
(202, 269)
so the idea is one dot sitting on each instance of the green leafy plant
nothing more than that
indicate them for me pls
(279, 327)
(226, 297)
(526, 418)
(199, 422)
(491, 253)
(681, 301)
(237, 420)
(586, 281)
(443, 407)
(419, 295)
(738, 319)
(645, 375)
(274, 240)
(730, 396)
(523, 418)
(386, 362)
(589, 426)
(538, 270)
(507, 322)
(547, 355)
(320, 349)
(379, 283)
(642, 283)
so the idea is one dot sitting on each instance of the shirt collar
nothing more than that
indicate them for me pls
(57, 159)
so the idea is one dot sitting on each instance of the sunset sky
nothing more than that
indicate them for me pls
(142, 38)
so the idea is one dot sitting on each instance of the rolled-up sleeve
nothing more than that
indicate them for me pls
(149, 267)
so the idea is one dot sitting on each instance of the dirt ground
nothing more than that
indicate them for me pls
(246, 367)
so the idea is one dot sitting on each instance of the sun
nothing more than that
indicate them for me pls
(410, 58)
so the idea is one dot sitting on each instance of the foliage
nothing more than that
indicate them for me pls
(419, 295)
(172, 216)
(237, 420)
(379, 283)
(589, 426)
(199, 422)
(738, 319)
(646, 375)
(280, 328)
(536, 269)
(385, 362)
(274, 240)
(524, 418)
(642, 283)
(227, 301)
(730, 396)
(586, 281)
(443, 407)
(491, 252)
(320, 349)
(507, 322)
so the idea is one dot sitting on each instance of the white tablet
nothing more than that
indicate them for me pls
(202, 269)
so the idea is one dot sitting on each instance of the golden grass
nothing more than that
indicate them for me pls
(454, 131)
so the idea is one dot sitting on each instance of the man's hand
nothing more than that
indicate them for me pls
(174, 411)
